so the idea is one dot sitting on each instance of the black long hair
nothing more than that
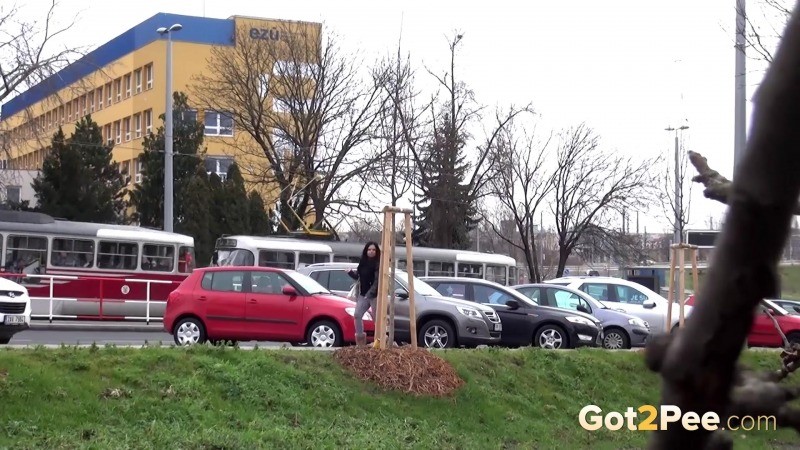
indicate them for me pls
(365, 257)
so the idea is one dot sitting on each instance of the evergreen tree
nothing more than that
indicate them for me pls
(260, 223)
(236, 204)
(148, 196)
(195, 223)
(451, 210)
(78, 180)
(217, 224)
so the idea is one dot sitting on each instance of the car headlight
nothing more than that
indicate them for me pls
(352, 312)
(469, 312)
(580, 320)
(637, 322)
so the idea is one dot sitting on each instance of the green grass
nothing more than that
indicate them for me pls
(236, 399)
(790, 281)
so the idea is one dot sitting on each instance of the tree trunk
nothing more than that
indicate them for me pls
(698, 363)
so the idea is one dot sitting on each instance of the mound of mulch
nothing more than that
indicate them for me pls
(413, 371)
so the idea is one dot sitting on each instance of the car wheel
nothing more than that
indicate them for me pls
(324, 334)
(616, 339)
(189, 331)
(793, 338)
(437, 334)
(551, 337)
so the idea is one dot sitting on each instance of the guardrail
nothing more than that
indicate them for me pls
(101, 300)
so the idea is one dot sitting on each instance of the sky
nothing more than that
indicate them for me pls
(628, 69)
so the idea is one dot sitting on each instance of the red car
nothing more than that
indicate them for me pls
(763, 333)
(259, 304)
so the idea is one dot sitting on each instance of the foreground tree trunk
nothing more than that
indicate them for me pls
(698, 364)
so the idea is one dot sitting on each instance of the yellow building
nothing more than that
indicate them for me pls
(122, 84)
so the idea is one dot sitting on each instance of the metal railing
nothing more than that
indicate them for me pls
(101, 300)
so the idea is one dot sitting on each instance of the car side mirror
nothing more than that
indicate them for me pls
(583, 309)
(289, 290)
(512, 304)
(649, 304)
(401, 294)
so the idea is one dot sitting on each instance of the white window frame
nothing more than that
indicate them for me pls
(148, 121)
(100, 98)
(137, 125)
(137, 79)
(128, 79)
(217, 127)
(109, 94)
(118, 88)
(109, 137)
(118, 131)
(148, 72)
(127, 127)
(90, 100)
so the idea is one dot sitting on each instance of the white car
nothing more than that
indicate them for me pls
(15, 309)
(629, 297)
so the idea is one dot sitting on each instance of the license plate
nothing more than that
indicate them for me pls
(498, 327)
(14, 320)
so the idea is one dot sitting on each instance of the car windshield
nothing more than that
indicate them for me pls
(420, 286)
(775, 306)
(307, 283)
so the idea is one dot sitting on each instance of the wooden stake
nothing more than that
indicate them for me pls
(672, 252)
(380, 319)
(682, 285)
(391, 284)
(412, 312)
(695, 276)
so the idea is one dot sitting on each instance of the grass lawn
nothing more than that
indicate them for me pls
(790, 281)
(218, 398)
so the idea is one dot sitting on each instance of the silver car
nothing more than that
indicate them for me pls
(442, 322)
(620, 329)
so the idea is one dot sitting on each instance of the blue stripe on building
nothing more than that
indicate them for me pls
(199, 30)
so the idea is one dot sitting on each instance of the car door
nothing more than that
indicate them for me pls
(517, 323)
(564, 299)
(763, 331)
(222, 300)
(271, 314)
(632, 300)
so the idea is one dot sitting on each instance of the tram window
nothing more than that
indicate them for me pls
(441, 269)
(239, 257)
(496, 274)
(346, 259)
(186, 262)
(26, 254)
(117, 255)
(313, 258)
(470, 270)
(419, 267)
(72, 253)
(284, 260)
(159, 258)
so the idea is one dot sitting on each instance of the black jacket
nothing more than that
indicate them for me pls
(367, 277)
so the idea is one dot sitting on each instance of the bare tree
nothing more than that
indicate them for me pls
(763, 22)
(591, 184)
(520, 183)
(676, 191)
(305, 110)
(394, 172)
(698, 364)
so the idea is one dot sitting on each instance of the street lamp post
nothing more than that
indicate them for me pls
(168, 138)
(678, 203)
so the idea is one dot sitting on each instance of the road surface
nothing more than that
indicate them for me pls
(119, 338)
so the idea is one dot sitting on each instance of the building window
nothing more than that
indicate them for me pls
(13, 194)
(69, 112)
(118, 89)
(137, 79)
(148, 121)
(109, 95)
(127, 85)
(99, 96)
(137, 125)
(90, 99)
(127, 123)
(109, 137)
(118, 131)
(218, 124)
(218, 165)
(84, 106)
(148, 75)
(138, 177)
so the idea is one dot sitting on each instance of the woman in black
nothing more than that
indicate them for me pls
(367, 276)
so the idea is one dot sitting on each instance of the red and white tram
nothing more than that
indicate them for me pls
(93, 271)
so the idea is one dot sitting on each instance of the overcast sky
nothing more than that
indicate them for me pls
(627, 68)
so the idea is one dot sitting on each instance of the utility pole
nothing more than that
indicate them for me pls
(678, 202)
(740, 125)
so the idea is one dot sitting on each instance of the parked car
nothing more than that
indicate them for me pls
(441, 322)
(15, 309)
(261, 304)
(791, 306)
(524, 322)
(763, 332)
(620, 330)
(628, 296)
